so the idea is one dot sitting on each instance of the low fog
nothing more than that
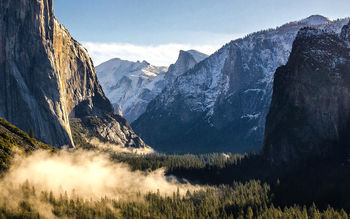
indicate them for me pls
(83, 174)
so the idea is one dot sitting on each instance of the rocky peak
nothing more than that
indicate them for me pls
(198, 56)
(185, 61)
(48, 79)
(145, 62)
(315, 20)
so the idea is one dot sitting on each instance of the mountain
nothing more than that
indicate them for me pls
(222, 102)
(49, 83)
(132, 85)
(310, 109)
(185, 61)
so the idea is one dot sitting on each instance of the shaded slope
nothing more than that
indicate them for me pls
(310, 109)
(15, 141)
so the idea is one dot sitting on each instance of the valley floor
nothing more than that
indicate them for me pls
(230, 186)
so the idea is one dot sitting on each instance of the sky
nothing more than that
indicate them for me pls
(155, 30)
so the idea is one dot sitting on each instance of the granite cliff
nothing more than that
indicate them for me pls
(48, 82)
(310, 109)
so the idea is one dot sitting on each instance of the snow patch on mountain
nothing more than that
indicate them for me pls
(315, 20)
(251, 116)
(130, 86)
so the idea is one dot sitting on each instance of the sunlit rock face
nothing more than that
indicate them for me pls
(310, 110)
(48, 79)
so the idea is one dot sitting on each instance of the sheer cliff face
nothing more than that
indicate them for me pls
(48, 79)
(310, 109)
(185, 61)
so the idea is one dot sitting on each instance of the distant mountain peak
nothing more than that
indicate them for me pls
(184, 55)
(145, 62)
(185, 61)
(315, 20)
(132, 85)
(198, 56)
(129, 84)
(115, 59)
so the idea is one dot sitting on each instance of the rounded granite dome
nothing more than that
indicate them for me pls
(315, 20)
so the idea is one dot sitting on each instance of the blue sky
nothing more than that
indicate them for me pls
(141, 29)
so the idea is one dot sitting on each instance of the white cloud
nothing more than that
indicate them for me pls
(161, 55)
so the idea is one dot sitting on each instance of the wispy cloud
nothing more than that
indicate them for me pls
(161, 55)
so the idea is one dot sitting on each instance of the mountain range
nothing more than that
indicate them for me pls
(199, 104)
(221, 103)
(130, 86)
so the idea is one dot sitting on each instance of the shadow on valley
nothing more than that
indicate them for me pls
(323, 182)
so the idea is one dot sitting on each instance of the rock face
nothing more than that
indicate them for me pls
(132, 85)
(48, 79)
(185, 61)
(221, 104)
(310, 109)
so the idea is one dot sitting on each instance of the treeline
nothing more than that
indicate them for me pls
(174, 162)
(13, 140)
(324, 182)
(212, 169)
(249, 200)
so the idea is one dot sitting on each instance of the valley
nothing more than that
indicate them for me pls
(257, 129)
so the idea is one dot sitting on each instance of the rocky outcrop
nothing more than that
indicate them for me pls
(132, 85)
(185, 61)
(310, 109)
(48, 79)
